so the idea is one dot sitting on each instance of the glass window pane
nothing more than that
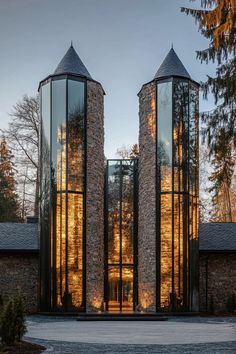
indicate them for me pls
(75, 250)
(75, 135)
(164, 134)
(180, 135)
(166, 249)
(127, 288)
(113, 212)
(193, 140)
(59, 187)
(114, 288)
(59, 134)
(45, 197)
(127, 211)
(60, 247)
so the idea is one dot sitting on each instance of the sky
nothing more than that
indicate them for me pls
(121, 42)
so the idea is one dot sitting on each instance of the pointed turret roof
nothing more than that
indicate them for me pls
(72, 64)
(172, 66)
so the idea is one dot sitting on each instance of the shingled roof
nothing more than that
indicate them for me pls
(172, 66)
(72, 64)
(217, 236)
(19, 237)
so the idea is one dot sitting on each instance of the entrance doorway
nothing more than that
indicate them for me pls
(121, 236)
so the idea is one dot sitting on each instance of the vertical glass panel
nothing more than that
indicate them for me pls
(127, 288)
(61, 249)
(59, 134)
(164, 132)
(166, 249)
(180, 135)
(59, 187)
(193, 140)
(114, 212)
(178, 249)
(75, 187)
(120, 233)
(114, 288)
(75, 250)
(75, 136)
(127, 212)
(45, 197)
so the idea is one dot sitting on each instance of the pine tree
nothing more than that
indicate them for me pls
(8, 197)
(217, 23)
(7, 324)
(19, 318)
(221, 177)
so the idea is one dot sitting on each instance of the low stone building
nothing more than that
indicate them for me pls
(19, 262)
(217, 267)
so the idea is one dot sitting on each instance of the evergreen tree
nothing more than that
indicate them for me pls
(221, 178)
(8, 196)
(217, 23)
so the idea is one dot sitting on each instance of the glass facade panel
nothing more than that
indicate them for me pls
(177, 191)
(58, 176)
(45, 279)
(75, 250)
(194, 193)
(114, 286)
(166, 249)
(75, 136)
(164, 132)
(114, 215)
(127, 289)
(66, 163)
(120, 235)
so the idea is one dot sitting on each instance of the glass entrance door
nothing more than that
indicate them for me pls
(120, 289)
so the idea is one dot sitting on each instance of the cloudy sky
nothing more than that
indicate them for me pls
(121, 42)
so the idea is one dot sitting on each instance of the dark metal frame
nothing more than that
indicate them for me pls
(185, 201)
(135, 235)
(51, 252)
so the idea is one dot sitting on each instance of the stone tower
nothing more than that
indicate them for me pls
(168, 190)
(72, 195)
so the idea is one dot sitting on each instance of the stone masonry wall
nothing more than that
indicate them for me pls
(19, 274)
(147, 198)
(221, 280)
(95, 198)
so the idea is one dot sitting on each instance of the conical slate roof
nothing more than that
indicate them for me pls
(72, 64)
(172, 66)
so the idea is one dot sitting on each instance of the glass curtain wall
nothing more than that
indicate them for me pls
(64, 236)
(177, 192)
(45, 279)
(121, 235)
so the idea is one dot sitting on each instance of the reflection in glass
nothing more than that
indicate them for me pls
(177, 191)
(66, 179)
(45, 280)
(164, 112)
(120, 234)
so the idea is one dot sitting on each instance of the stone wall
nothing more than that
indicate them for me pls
(95, 198)
(19, 274)
(220, 282)
(147, 198)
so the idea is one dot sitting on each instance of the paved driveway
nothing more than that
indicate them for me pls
(178, 335)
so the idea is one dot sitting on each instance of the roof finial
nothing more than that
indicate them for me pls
(172, 45)
(71, 43)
